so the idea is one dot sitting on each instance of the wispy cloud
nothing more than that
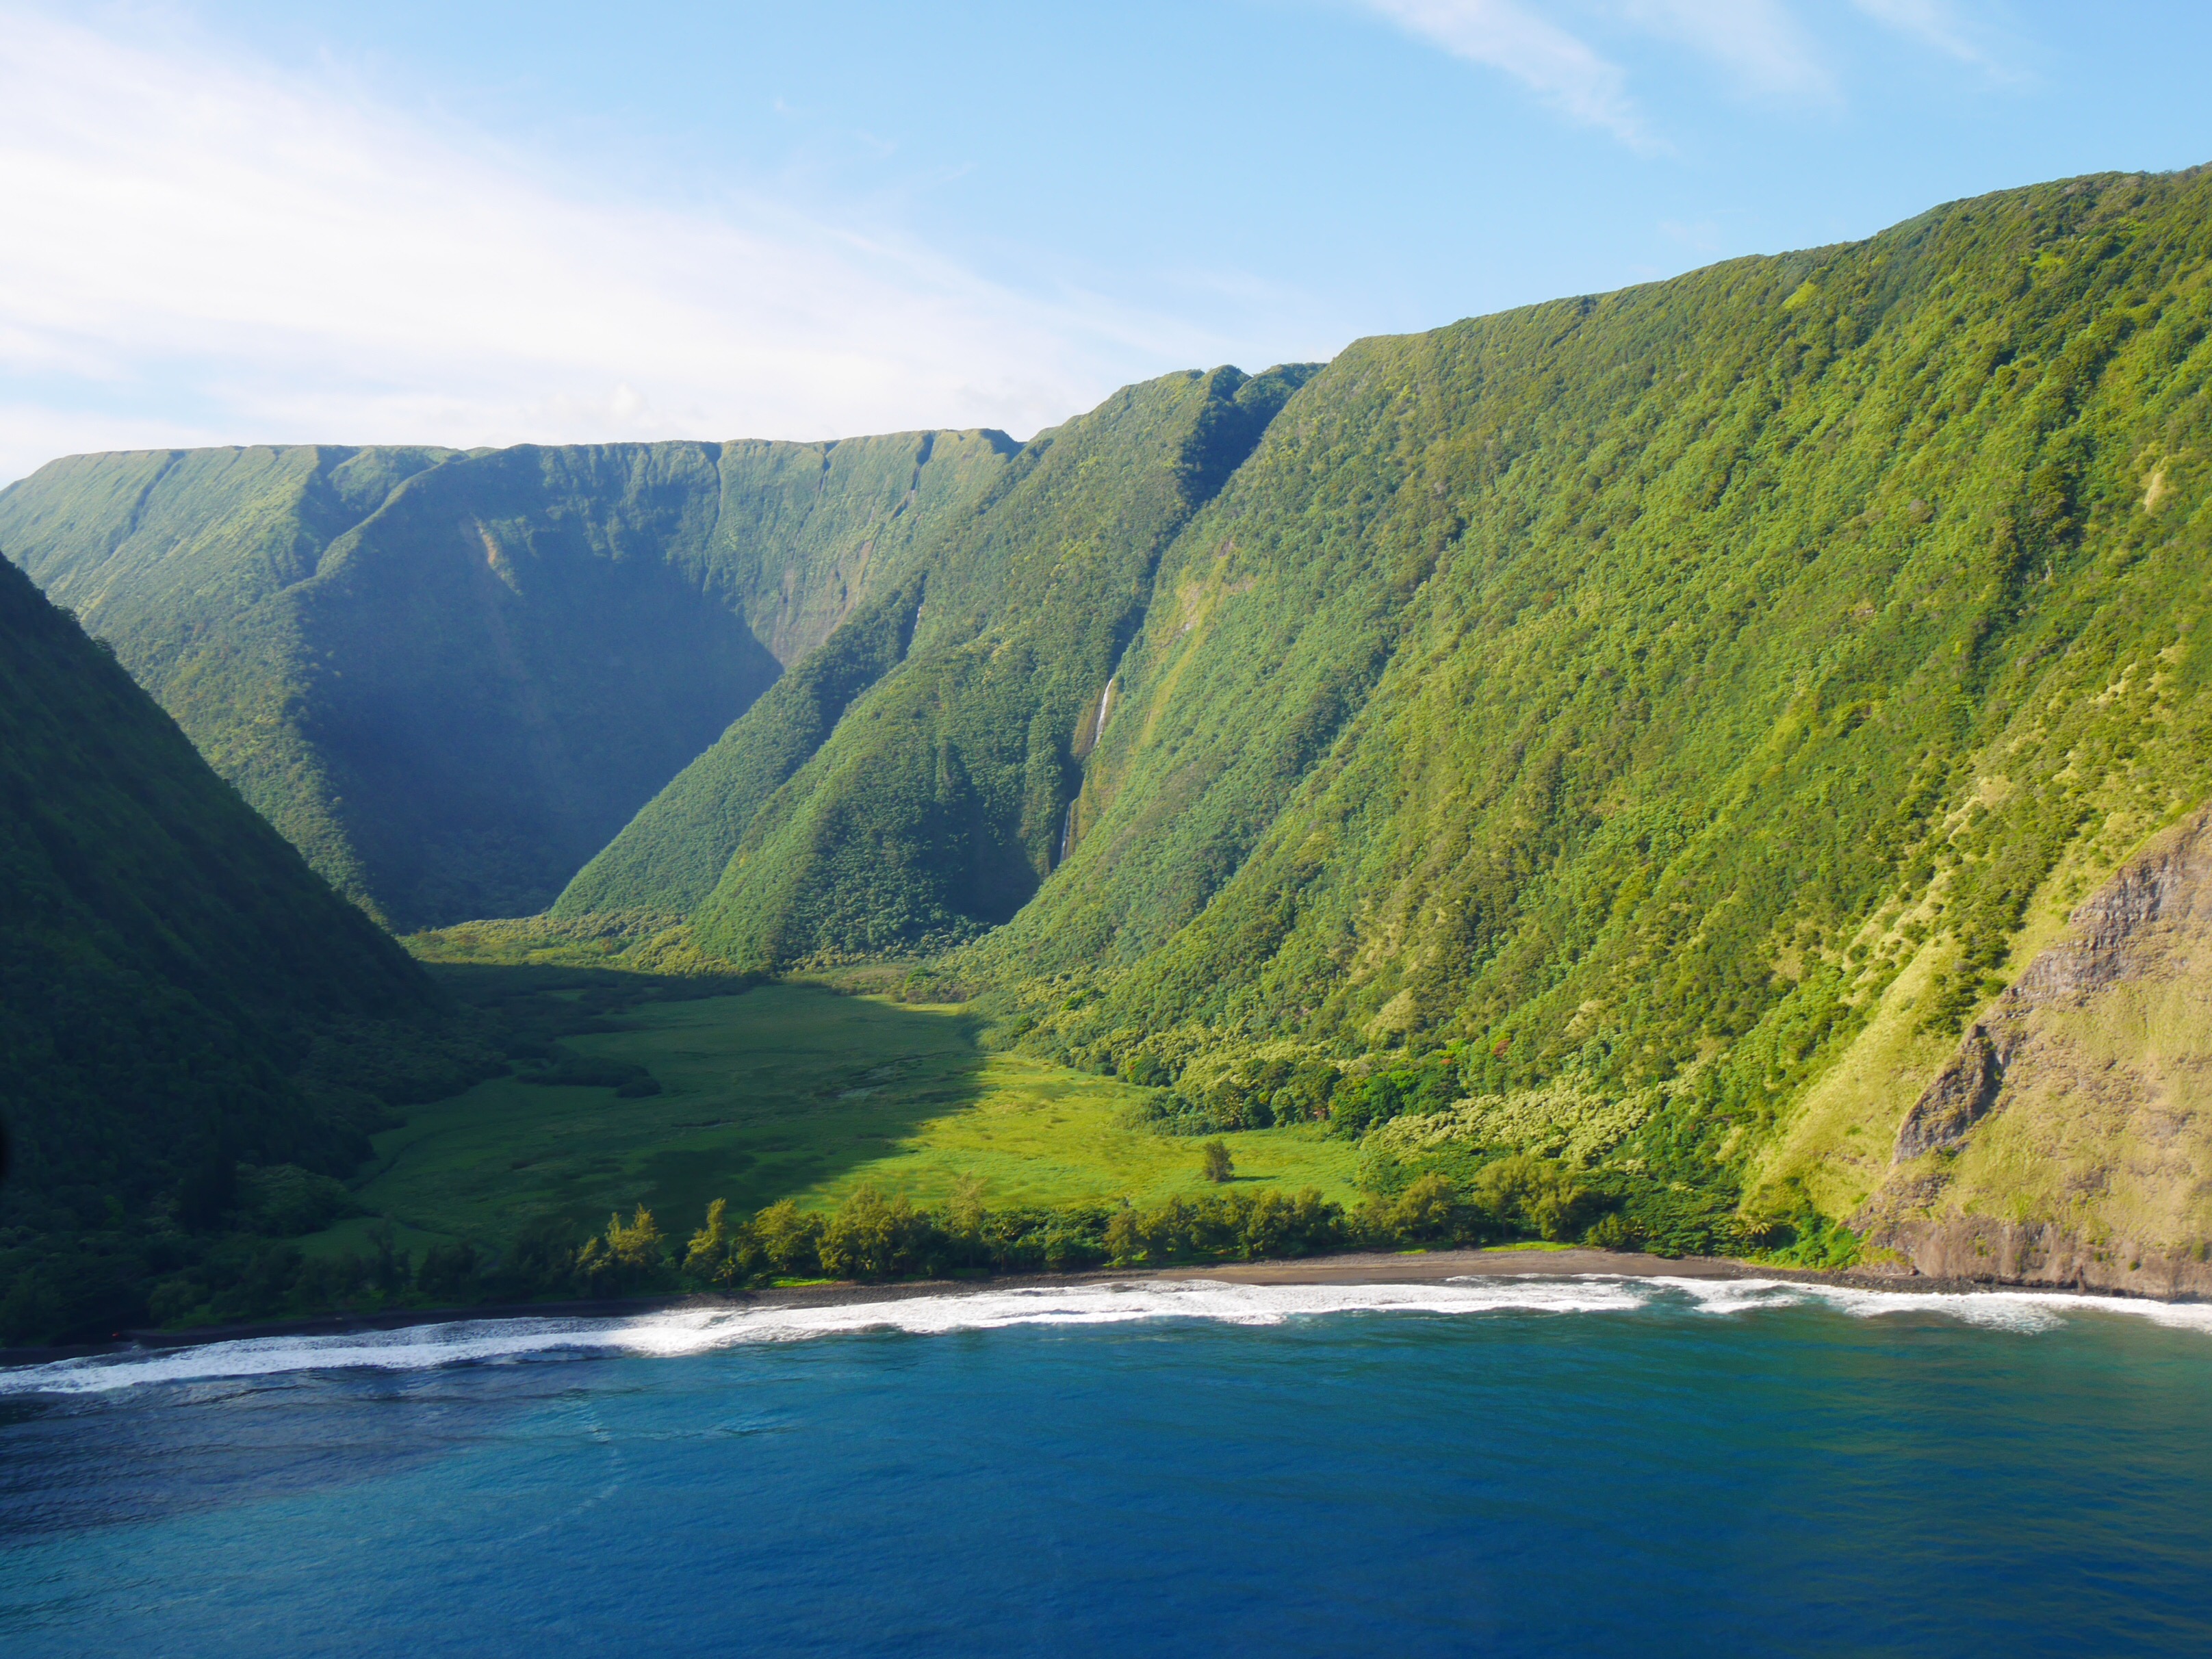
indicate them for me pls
(1560, 68)
(1938, 26)
(1757, 43)
(1761, 46)
(198, 247)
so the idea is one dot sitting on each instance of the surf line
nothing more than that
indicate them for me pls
(676, 1333)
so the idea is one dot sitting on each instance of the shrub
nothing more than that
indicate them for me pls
(448, 1271)
(790, 1239)
(632, 1256)
(1538, 1193)
(1428, 1211)
(872, 1236)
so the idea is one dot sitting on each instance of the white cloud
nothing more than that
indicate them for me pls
(1558, 67)
(1757, 42)
(1760, 44)
(1933, 23)
(199, 248)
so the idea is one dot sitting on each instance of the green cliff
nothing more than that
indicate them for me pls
(179, 992)
(1623, 708)
(450, 678)
(1646, 732)
(935, 807)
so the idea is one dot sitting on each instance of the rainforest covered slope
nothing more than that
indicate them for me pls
(167, 968)
(1648, 702)
(449, 678)
(952, 717)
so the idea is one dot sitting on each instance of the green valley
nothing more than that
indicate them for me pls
(449, 678)
(1708, 767)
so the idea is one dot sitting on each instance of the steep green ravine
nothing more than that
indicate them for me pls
(667, 860)
(450, 679)
(934, 808)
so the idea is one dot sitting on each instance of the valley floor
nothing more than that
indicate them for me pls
(794, 1090)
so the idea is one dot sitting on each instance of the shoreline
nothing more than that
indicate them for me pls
(1351, 1267)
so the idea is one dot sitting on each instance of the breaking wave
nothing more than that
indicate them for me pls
(692, 1330)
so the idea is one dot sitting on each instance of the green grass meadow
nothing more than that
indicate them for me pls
(791, 1091)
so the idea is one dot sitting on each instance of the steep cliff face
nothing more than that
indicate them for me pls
(909, 784)
(167, 968)
(450, 678)
(2070, 1139)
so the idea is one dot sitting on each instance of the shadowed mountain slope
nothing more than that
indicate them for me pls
(450, 678)
(668, 859)
(168, 963)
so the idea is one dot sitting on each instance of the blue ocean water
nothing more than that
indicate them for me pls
(1533, 1467)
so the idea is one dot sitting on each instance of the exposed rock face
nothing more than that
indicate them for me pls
(2043, 1253)
(2117, 928)
(1961, 1097)
(2069, 1140)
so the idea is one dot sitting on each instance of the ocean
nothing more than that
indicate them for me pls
(1594, 1465)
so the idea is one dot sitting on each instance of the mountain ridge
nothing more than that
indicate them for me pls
(1640, 730)
(173, 978)
(450, 677)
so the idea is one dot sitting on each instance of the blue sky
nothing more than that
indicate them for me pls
(252, 221)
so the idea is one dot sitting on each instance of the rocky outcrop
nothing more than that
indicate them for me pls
(2118, 927)
(1961, 1097)
(2114, 935)
(2068, 1139)
(1993, 1251)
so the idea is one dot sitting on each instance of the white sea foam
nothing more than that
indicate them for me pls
(688, 1331)
(684, 1331)
(2009, 1310)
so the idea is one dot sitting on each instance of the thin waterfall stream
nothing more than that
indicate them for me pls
(1098, 731)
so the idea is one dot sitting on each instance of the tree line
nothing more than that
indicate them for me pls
(874, 1237)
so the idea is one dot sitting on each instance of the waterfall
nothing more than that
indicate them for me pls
(1098, 729)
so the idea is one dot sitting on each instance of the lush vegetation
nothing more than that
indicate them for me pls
(865, 1139)
(670, 855)
(789, 1097)
(938, 803)
(1604, 706)
(178, 995)
(449, 678)
(1498, 780)
(871, 1236)
(786, 1091)
(1607, 714)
